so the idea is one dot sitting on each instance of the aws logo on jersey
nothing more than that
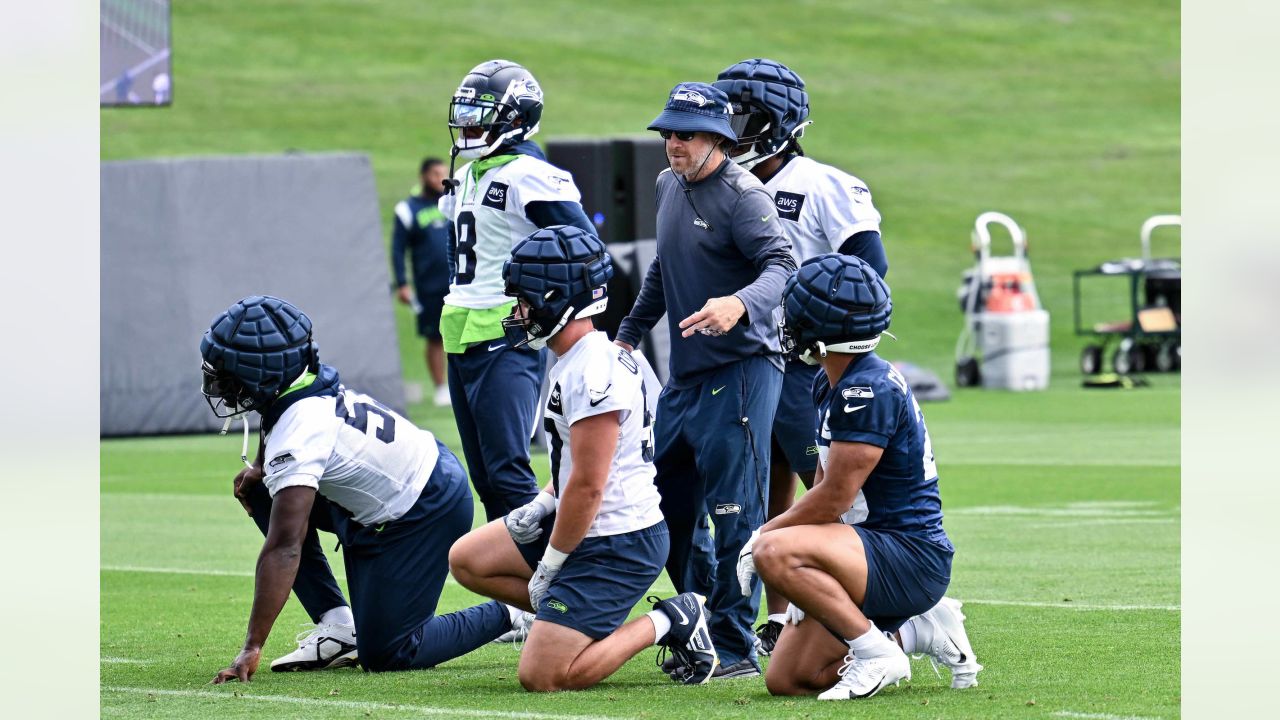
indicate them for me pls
(553, 403)
(496, 196)
(789, 205)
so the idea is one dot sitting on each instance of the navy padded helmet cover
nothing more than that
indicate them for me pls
(836, 298)
(563, 258)
(771, 85)
(262, 341)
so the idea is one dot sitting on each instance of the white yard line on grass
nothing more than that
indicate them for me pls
(220, 573)
(175, 571)
(1107, 521)
(123, 661)
(1068, 605)
(352, 704)
(661, 588)
(1061, 511)
(1100, 715)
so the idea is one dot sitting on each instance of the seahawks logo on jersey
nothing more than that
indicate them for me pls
(858, 392)
(553, 403)
(280, 460)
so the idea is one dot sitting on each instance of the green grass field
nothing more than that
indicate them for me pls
(1063, 115)
(1064, 505)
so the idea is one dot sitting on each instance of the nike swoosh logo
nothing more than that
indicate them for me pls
(869, 693)
(603, 394)
(717, 390)
(499, 346)
(850, 408)
(380, 528)
(683, 619)
(764, 219)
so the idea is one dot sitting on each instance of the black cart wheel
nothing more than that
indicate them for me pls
(1091, 359)
(967, 373)
(1169, 356)
(1128, 358)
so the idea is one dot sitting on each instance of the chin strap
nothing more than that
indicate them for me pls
(244, 447)
(243, 416)
(819, 349)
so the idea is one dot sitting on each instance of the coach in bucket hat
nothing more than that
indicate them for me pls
(696, 107)
(724, 260)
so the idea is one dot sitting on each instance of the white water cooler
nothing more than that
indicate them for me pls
(1005, 340)
(1015, 350)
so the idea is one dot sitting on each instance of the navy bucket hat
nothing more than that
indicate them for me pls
(696, 107)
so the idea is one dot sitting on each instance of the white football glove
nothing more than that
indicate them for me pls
(747, 564)
(525, 522)
(548, 567)
(794, 614)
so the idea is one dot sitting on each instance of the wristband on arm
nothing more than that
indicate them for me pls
(553, 558)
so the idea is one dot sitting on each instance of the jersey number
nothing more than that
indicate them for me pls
(464, 250)
(557, 450)
(647, 443)
(927, 461)
(358, 418)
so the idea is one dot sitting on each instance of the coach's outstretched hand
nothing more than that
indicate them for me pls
(245, 665)
(525, 522)
(747, 564)
(718, 316)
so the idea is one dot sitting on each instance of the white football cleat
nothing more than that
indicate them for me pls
(442, 398)
(948, 643)
(864, 677)
(519, 631)
(323, 647)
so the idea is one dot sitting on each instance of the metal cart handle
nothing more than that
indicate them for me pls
(1148, 227)
(982, 234)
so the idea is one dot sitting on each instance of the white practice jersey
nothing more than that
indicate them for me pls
(596, 377)
(489, 219)
(352, 450)
(820, 207)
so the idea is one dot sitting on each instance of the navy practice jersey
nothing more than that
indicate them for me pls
(872, 404)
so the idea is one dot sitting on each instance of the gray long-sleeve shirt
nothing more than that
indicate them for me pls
(731, 244)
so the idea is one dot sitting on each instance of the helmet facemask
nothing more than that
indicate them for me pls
(757, 135)
(498, 119)
(541, 317)
(226, 395)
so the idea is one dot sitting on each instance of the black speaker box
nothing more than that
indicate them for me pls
(598, 170)
(616, 178)
(648, 158)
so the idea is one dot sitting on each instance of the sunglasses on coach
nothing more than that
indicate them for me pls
(681, 136)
